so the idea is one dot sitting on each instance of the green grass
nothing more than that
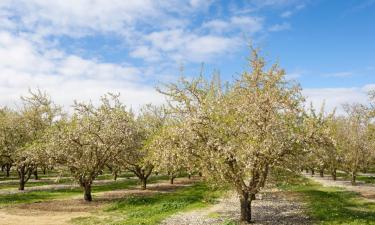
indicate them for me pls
(149, 210)
(331, 205)
(37, 196)
(365, 179)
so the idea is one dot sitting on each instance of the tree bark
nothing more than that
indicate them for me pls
(7, 168)
(312, 172)
(21, 186)
(321, 173)
(171, 180)
(354, 177)
(245, 203)
(87, 192)
(36, 174)
(307, 170)
(144, 183)
(334, 175)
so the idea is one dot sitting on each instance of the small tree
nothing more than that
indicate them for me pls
(92, 138)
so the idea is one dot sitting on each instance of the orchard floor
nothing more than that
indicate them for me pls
(271, 207)
(62, 211)
(365, 190)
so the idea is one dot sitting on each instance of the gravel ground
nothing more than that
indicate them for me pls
(272, 207)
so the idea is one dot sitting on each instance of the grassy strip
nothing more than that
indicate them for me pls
(44, 195)
(330, 205)
(149, 210)
(366, 179)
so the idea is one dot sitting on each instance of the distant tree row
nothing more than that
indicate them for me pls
(233, 134)
(341, 142)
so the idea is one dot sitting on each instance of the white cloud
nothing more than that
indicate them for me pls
(275, 3)
(247, 24)
(180, 45)
(280, 27)
(339, 74)
(65, 77)
(77, 18)
(335, 97)
(286, 14)
(159, 32)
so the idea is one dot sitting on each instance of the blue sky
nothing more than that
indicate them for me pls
(83, 49)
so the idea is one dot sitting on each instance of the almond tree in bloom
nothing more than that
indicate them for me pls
(354, 139)
(165, 152)
(24, 129)
(240, 132)
(11, 137)
(149, 121)
(323, 152)
(91, 138)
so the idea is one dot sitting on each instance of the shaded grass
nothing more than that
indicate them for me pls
(149, 210)
(365, 179)
(330, 205)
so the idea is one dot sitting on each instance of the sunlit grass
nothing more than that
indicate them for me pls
(44, 195)
(331, 205)
(153, 209)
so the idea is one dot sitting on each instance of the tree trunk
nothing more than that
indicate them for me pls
(307, 170)
(245, 202)
(7, 168)
(21, 187)
(354, 176)
(22, 182)
(189, 176)
(87, 192)
(36, 174)
(171, 180)
(115, 176)
(321, 173)
(21, 177)
(144, 183)
(44, 171)
(252, 196)
(334, 175)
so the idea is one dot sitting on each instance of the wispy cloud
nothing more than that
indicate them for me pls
(339, 74)
(66, 77)
(280, 27)
(336, 97)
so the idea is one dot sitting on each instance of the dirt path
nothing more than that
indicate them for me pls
(272, 207)
(60, 212)
(365, 190)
